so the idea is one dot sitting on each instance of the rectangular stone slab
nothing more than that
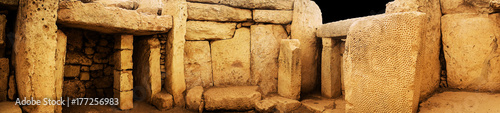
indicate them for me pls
(214, 12)
(289, 76)
(206, 30)
(381, 65)
(231, 98)
(231, 59)
(466, 6)
(273, 16)
(330, 68)
(252, 4)
(97, 17)
(198, 64)
(337, 29)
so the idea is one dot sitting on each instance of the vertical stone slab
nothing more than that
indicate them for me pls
(123, 79)
(3, 22)
(289, 75)
(470, 45)
(147, 66)
(175, 83)
(198, 64)
(231, 59)
(330, 68)
(4, 78)
(35, 52)
(381, 63)
(342, 73)
(265, 46)
(60, 61)
(430, 67)
(306, 18)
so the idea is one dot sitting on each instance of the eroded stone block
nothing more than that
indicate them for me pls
(231, 98)
(213, 12)
(123, 59)
(273, 16)
(126, 99)
(289, 76)
(330, 68)
(252, 4)
(466, 6)
(194, 99)
(198, 64)
(123, 80)
(163, 100)
(205, 30)
(71, 70)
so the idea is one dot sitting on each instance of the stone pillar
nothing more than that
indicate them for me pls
(289, 75)
(330, 68)
(60, 61)
(175, 83)
(147, 66)
(123, 79)
(381, 63)
(3, 22)
(35, 52)
(306, 18)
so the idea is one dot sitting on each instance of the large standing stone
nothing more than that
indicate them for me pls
(306, 18)
(194, 99)
(198, 64)
(381, 65)
(231, 98)
(253, 4)
(147, 66)
(289, 75)
(330, 68)
(471, 50)
(97, 17)
(231, 59)
(273, 16)
(265, 47)
(174, 61)
(212, 12)
(429, 63)
(205, 30)
(35, 52)
(465, 6)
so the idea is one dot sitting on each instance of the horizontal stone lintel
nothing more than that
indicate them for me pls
(111, 20)
(337, 29)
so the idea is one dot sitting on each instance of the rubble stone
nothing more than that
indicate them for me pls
(71, 70)
(162, 100)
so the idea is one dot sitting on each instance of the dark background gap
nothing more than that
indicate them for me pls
(340, 10)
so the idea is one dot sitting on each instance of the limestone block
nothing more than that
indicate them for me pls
(318, 106)
(197, 64)
(77, 59)
(213, 12)
(73, 89)
(337, 29)
(381, 65)
(273, 16)
(84, 76)
(71, 70)
(231, 98)
(471, 49)
(124, 42)
(306, 18)
(231, 59)
(111, 20)
(147, 65)
(4, 74)
(12, 92)
(265, 106)
(330, 68)
(123, 80)
(35, 52)
(174, 61)
(430, 64)
(285, 105)
(205, 30)
(126, 99)
(194, 99)
(10, 107)
(62, 41)
(149, 7)
(123, 59)
(124, 4)
(252, 4)
(289, 75)
(3, 22)
(163, 100)
(465, 6)
(265, 46)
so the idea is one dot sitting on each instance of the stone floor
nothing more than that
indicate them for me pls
(464, 102)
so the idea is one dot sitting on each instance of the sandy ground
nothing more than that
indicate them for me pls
(461, 102)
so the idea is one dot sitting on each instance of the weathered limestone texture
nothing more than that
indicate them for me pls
(231, 59)
(429, 64)
(194, 99)
(147, 66)
(212, 12)
(198, 64)
(10, 107)
(465, 6)
(330, 68)
(4, 78)
(381, 65)
(337, 29)
(35, 53)
(111, 19)
(306, 18)
(289, 75)
(471, 50)
(252, 4)
(231, 98)
(265, 47)
(285, 105)
(62, 41)
(174, 61)
(206, 30)
(124, 4)
(3, 22)
(150, 7)
(265, 106)
(273, 16)
(123, 79)
(163, 100)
